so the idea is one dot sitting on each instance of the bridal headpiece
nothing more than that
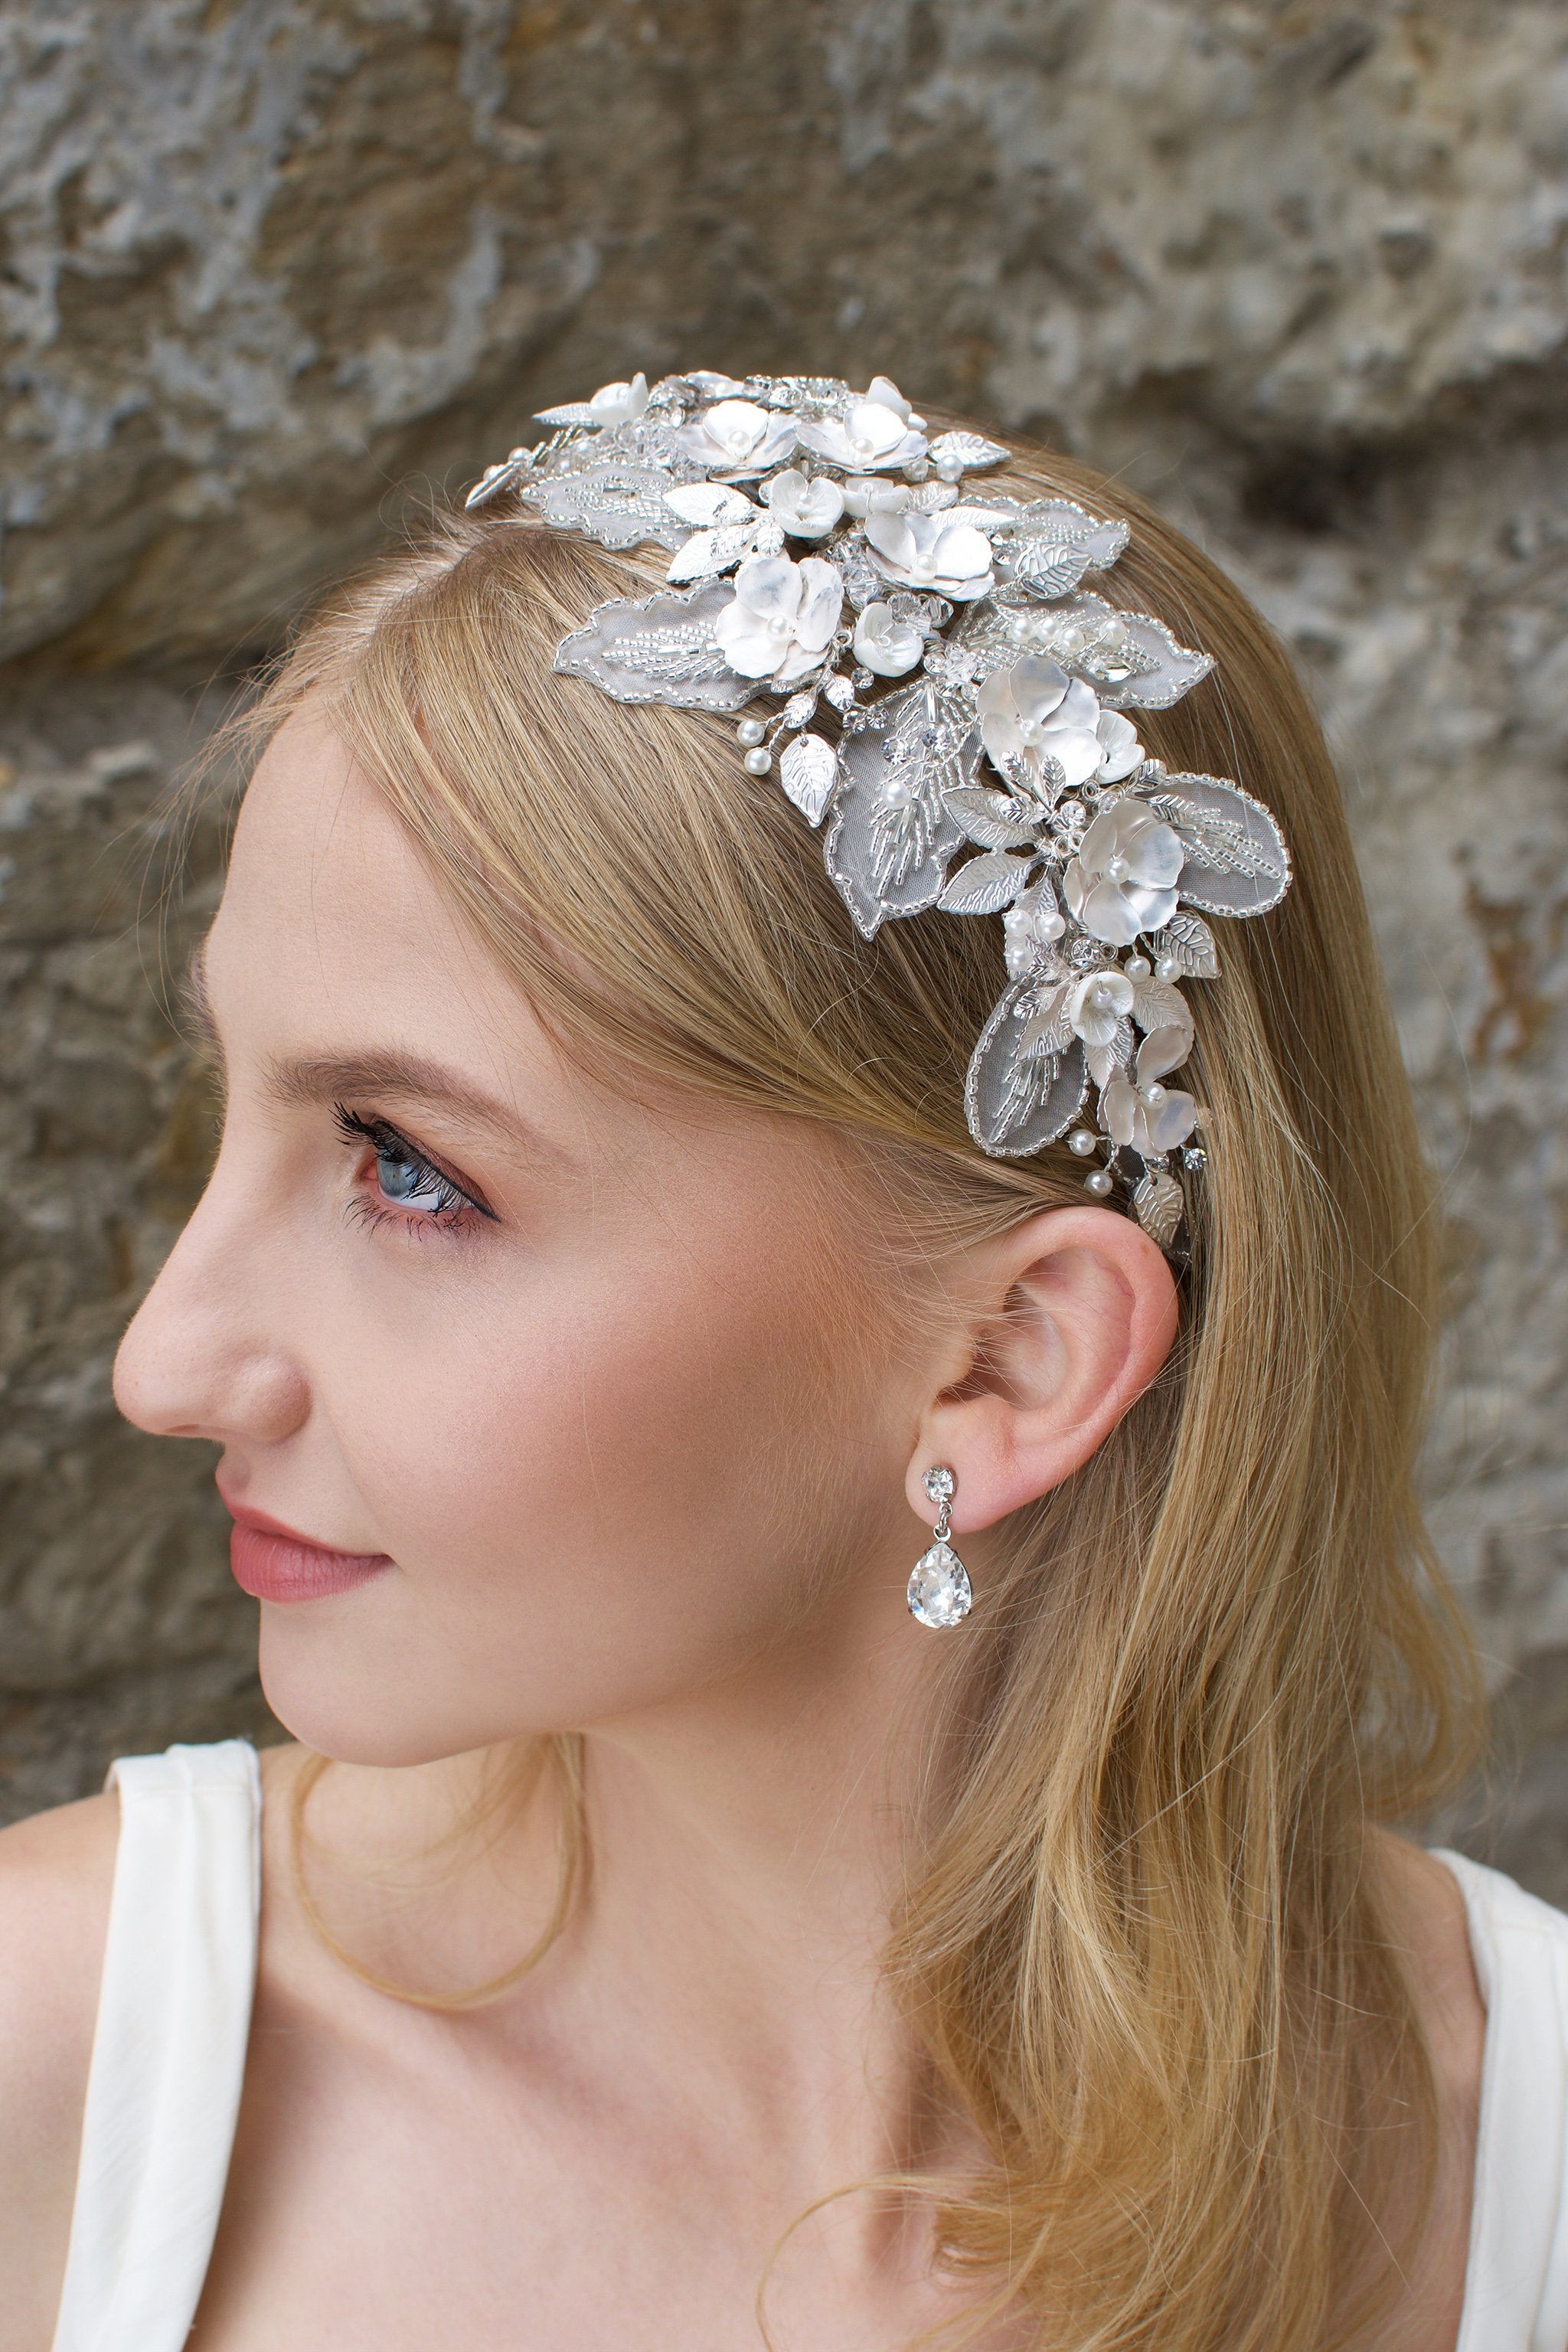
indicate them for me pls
(821, 545)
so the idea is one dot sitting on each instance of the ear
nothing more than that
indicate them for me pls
(1076, 1313)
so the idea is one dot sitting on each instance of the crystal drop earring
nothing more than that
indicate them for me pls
(939, 1586)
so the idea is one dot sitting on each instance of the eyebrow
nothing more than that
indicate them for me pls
(312, 1079)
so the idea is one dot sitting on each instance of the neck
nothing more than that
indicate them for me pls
(748, 1849)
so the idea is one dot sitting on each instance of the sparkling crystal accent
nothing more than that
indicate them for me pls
(938, 1588)
(939, 1482)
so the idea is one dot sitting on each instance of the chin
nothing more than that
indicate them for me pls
(329, 1696)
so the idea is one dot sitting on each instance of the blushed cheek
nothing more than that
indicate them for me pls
(614, 1495)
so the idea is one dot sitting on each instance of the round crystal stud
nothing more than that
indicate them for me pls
(861, 680)
(938, 1588)
(940, 1484)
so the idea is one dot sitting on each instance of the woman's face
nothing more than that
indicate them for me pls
(595, 1391)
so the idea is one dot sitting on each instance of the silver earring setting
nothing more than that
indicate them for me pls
(939, 1587)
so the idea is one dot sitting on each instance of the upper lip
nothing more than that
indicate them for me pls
(265, 1524)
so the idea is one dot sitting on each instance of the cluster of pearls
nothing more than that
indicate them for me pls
(757, 759)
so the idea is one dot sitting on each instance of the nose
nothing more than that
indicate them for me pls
(204, 1357)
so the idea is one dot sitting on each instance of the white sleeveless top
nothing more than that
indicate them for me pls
(173, 2019)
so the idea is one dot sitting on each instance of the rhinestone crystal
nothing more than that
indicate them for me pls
(938, 1588)
(940, 1484)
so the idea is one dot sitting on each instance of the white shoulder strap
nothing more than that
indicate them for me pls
(1516, 2288)
(168, 2053)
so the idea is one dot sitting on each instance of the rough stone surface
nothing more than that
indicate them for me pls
(272, 267)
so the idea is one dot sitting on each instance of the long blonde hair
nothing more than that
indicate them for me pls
(1143, 1942)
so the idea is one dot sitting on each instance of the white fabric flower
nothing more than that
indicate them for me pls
(886, 645)
(613, 403)
(879, 431)
(1119, 749)
(1040, 728)
(1124, 879)
(782, 618)
(808, 509)
(1097, 1003)
(864, 494)
(737, 436)
(1149, 1127)
(926, 550)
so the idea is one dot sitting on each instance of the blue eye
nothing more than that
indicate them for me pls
(404, 1179)
(409, 1182)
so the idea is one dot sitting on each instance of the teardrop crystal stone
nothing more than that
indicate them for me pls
(939, 1589)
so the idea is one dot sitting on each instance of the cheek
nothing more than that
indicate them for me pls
(601, 1491)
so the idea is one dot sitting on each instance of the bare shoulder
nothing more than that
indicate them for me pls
(1429, 1912)
(1429, 1926)
(56, 1873)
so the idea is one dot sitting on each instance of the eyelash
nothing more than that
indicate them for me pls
(455, 1208)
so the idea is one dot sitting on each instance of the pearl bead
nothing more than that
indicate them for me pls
(949, 470)
(1081, 1142)
(1050, 926)
(1098, 1183)
(758, 762)
(779, 628)
(1168, 967)
(1137, 967)
(1154, 1094)
(751, 730)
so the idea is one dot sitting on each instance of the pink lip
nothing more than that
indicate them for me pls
(272, 1562)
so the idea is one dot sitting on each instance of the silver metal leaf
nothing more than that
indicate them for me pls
(618, 504)
(1236, 861)
(1157, 1004)
(989, 818)
(707, 552)
(969, 450)
(1160, 1206)
(1048, 572)
(660, 649)
(495, 479)
(1054, 543)
(571, 412)
(932, 497)
(1048, 1029)
(1188, 941)
(1109, 1060)
(706, 505)
(1059, 520)
(985, 885)
(891, 833)
(1017, 1102)
(808, 771)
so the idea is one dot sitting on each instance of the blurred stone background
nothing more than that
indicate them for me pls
(271, 269)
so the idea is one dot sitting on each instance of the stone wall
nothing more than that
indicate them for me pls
(272, 269)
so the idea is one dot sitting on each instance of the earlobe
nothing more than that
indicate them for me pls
(1076, 1314)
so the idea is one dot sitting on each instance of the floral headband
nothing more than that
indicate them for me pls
(1008, 737)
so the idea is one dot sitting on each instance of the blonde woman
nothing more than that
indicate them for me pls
(700, 1908)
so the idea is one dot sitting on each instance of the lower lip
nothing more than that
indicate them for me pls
(282, 1568)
